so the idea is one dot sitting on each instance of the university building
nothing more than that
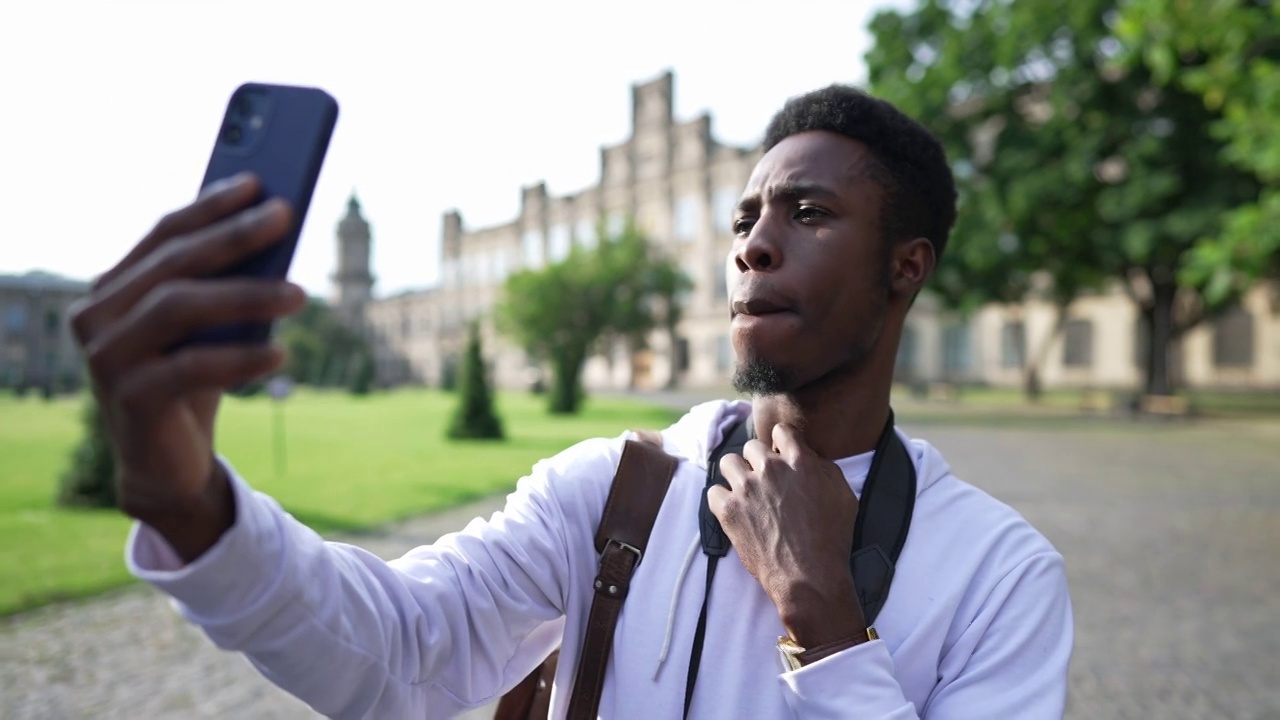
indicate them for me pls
(37, 349)
(680, 184)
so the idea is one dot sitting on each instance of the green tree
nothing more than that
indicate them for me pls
(362, 379)
(323, 352)
(1071, 166)
(90, 480)
(650, 293)
(1228, 53)
(475, 417)
(558, 314)
(566, 311)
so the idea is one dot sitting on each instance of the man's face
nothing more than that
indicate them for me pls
(813, 265)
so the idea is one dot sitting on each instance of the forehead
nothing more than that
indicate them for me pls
(832, 160)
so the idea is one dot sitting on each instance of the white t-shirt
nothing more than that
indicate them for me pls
(977, 624)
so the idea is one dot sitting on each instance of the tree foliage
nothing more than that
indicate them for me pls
(621, 289)
(323, 352)
(89, 480)
(1228, 53)
(475, 417)
(1069, 163)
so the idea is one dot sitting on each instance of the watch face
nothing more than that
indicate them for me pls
(790, 653)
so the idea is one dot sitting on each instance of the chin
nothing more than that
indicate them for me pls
(757, 376)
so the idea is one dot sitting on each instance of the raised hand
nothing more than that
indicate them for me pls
(160, 408)
(790, 515)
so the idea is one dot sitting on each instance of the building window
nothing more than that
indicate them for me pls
(585, 233)
(720, 273)
(1077, 345)
(956, 349)
(615, 225)
(1233, 339)
(682, 354)
(688, 215)
(558, 243)
(15, 319)
(499, 265)
(51, 322)
(531, 242)
(1013, 344)
(724, 354)
(722, 206)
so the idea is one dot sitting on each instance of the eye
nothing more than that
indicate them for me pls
(809, 213)
(742, 226)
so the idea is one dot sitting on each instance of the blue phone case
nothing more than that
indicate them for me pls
(281, 134)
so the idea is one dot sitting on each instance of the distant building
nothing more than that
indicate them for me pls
(37, 349)
(681, 185)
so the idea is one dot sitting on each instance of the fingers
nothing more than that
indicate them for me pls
(181, 307)
(788, 442)
(757, 453)
(192, 370)
(201, 253)
(216, 202)
(735, 470)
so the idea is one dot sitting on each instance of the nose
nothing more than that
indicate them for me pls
(759, 251)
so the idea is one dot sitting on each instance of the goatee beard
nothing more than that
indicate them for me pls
(758, 378)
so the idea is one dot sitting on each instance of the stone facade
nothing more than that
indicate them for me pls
(37, 349)
(680, 185)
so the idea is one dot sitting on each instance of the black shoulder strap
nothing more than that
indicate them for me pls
(884, 517)
(880, 530)
(714, 541)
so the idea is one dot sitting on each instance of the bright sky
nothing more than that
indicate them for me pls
(111, 107)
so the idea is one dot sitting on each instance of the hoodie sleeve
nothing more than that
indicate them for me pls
(445, 628)
(1011, 661)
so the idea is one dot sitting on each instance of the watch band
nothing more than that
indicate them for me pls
(795, 657)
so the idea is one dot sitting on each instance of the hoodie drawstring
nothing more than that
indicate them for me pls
(675, 597)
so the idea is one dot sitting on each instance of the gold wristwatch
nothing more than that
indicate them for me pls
(795, 657)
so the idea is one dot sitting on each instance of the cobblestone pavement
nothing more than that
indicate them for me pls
(1171, 537)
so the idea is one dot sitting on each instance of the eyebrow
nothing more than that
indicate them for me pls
(789, 190)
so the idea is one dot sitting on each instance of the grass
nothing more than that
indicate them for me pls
(350, 463)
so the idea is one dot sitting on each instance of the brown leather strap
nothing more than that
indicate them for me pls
(639, 487)
(531, 699)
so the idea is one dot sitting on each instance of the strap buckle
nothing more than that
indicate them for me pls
(629, 548)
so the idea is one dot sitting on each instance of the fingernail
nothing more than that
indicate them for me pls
(227, 183)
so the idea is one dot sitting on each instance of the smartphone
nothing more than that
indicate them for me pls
(281, 134)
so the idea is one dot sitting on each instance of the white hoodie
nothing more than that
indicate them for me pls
(977, 624)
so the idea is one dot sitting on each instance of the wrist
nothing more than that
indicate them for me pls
(816, 615)
(796, 656)
(192, 527)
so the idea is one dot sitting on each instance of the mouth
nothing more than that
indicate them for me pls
(756, 307)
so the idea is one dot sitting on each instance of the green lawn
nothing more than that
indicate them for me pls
(349, 463)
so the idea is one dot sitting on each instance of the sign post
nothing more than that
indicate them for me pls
(279, 388)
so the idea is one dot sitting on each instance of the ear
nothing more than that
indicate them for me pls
(910, 266)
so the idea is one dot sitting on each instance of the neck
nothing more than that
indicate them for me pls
(840, 417)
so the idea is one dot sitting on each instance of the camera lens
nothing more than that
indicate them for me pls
(242, 105)
(232, 133)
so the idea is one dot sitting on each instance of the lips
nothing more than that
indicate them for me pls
(760, 305)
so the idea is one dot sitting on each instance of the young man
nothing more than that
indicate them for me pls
(839, 227)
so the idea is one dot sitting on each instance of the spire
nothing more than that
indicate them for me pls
(353, 204)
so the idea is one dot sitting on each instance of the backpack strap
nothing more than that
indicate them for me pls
(639, 487)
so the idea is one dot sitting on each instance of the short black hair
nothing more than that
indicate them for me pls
(920, 192)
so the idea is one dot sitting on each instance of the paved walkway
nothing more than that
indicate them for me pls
(1171, 537)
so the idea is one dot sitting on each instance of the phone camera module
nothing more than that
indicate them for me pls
(233, 134)
(242, 105)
